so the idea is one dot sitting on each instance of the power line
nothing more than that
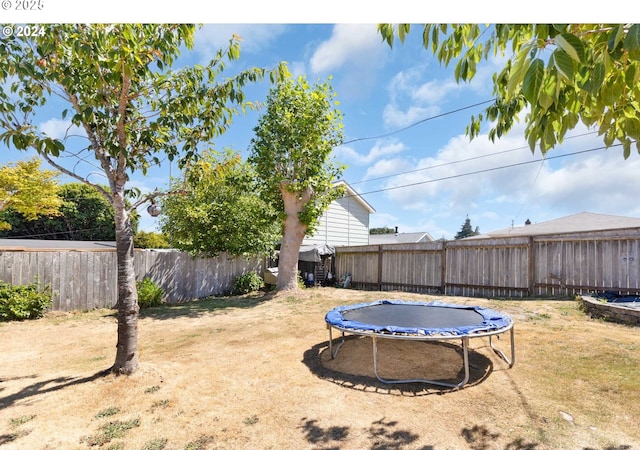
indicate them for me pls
(483, 171)
(457, 161)
(417, 123)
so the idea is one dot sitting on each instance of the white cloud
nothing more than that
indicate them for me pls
(297, 69)
(349, 44)
(354, 55)
(386, 167)
(379, 220)
(395, 117)
(412, 98)
(254, 37)
(434, 91)
(348, 155)
(60, 129)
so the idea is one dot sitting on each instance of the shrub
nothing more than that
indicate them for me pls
(249, 282)
(24, 301)
(149, 293)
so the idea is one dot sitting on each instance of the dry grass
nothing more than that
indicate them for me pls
(254, 372)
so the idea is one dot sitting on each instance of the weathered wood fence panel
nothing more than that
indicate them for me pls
(83, 280)
(552, 265)
(487, 267)
(586, 265)
(405, 267)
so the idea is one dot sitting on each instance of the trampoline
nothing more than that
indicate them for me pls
(432, 321)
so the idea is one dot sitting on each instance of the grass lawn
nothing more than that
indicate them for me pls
(254, 372)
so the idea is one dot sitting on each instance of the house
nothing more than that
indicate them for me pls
(400, 238)
(575, 223)
(345, 222)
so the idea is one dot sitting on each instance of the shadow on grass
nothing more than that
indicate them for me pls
(200, 307)
(386, 434)
(383, 435)
(43, 387)
(318, 359)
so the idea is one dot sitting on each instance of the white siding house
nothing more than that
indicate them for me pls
(345, 222)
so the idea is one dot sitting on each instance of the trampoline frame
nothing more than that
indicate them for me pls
(434, 336)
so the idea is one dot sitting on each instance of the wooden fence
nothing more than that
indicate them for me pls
(82, 280)
(542, 266)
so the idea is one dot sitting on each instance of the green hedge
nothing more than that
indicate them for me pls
(249, 282)
(149, 293)
(23, 302)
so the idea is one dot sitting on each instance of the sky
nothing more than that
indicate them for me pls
(404, 117)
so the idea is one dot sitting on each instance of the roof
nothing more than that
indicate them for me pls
(352, 193)
(43, 245)
(400, 238)
(576, 223)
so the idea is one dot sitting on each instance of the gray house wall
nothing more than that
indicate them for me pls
(345, 223)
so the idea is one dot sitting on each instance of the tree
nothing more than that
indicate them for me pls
(150, 239)
(291, 153)
(562, 74)
(29, 191)
(467, 230)
(219, 210)
(84, 215)
(115, 84)
(382, 230)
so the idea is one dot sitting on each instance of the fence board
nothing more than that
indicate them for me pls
(553, 265)
(85, 280)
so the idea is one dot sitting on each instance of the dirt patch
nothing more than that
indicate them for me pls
(254, 372)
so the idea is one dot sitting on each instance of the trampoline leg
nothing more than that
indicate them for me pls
(465, 357)
(512, 360)
(333, 352)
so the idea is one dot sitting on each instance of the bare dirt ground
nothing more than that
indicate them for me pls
(254, 372)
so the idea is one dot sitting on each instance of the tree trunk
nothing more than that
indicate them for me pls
(292, 236)
(127, 347)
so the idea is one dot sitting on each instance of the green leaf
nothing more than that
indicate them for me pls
(595, 79)
(533, 81)
(572, 46)
(616, 37)
(632, 42)
(563, 63)
(519, 69)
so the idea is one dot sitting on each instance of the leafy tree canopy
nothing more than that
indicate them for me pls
(560, 74)
(84, 215)
(293, 143)
(28, 191)
(150, 239)
(219, 210)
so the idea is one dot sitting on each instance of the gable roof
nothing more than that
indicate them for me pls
(575, 223)
(400, 238)
(349, 191)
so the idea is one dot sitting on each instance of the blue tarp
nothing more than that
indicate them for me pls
(417, 318)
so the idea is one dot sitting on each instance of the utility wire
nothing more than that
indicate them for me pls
(458, 161)
(482, 171)
(417, 123)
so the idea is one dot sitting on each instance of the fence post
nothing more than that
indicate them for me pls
(380, 267)
(443, 269)
(532, 265)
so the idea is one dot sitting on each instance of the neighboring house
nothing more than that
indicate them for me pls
(345, 222)
(400, 238)
(575, 223)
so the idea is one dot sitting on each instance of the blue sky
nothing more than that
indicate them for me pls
(404, 123)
